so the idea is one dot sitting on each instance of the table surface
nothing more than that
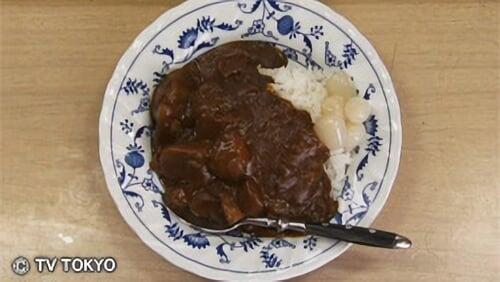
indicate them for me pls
(444, 57)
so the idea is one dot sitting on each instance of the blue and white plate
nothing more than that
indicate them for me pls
(310, 34)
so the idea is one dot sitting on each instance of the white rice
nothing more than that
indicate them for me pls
(306, 90)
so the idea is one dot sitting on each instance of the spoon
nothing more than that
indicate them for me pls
(349, 233)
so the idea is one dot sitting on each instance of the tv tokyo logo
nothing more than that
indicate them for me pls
(21, 265)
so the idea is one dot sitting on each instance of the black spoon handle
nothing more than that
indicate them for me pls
(359, 235)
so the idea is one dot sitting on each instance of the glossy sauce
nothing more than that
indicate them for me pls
(226, 147)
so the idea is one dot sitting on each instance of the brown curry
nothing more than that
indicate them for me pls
(227, 147)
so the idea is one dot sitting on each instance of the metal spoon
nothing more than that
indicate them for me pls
(353, 234)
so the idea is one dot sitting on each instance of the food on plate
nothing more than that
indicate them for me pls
(239, 133)
(355, 134)
(357, 110)
(331, 129)
(340, 84)
(330, 99)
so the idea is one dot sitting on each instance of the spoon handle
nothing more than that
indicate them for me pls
(360, 235)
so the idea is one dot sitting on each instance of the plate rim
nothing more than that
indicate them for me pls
(394, 157)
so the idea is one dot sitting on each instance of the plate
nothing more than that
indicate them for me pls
(311, 35)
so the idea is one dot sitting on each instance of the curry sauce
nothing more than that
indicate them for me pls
(227, 147)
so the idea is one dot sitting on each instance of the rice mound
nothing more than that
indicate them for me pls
(306, 90)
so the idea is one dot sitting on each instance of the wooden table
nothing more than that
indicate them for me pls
(444, 56)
